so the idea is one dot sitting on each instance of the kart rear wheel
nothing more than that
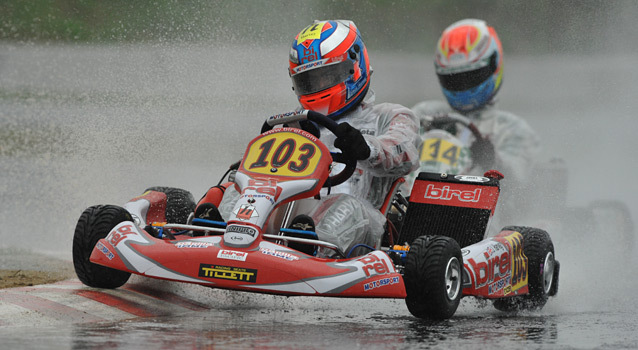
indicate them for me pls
(95, 223)
(433, 277)
(542, 271)
(179, 203)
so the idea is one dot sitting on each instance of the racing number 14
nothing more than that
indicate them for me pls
(441, 150)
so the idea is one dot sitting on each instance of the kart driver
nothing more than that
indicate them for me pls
(469, 65)
(382, 137)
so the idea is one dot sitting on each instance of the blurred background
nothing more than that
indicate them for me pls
(102, 99)
(538, 27)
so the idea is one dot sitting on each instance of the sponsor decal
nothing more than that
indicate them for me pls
(279, 254)
(232, 255)
(245, 230)
(374, 265)
(265, 187)
(313, 32)
(491, 268)
(368, 132)
(308, 66)
(252, 196)
(504, 260)
(117, 236)
(380, 283)
(465, 252)
(101, 247)
(519, 260)
(446, 193)
(227, 273)
(245, 212)
(470, 178)
(191, 244)
(499, 285)
(284, 115)
(494, 248)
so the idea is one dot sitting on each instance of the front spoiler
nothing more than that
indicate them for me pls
(264, 266)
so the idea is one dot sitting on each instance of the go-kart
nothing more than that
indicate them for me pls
(155, 235)
(540, 201)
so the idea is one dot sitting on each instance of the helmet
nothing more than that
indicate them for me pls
(329, 67)
(469, 64)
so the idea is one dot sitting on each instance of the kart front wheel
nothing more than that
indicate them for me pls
(94, 224)
(542, 271)
(433, 277)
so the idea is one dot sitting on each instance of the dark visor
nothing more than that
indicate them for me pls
(467, 80)
(317, 79)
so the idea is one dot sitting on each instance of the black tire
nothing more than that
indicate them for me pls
(179, 203)
(542, 271)
(95, 223)
(433, 277)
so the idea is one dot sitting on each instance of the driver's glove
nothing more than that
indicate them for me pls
(351, 142)
(483, 153)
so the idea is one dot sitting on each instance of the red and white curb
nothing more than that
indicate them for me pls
(72, 302)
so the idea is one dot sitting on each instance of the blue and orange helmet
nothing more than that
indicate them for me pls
(329, 67)
(469, 64)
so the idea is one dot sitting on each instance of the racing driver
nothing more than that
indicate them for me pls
(382, 137)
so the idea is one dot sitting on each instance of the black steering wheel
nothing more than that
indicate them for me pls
(321, 120)
(446, 120)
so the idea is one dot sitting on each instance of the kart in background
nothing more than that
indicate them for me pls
(438, 257)
(542, 201)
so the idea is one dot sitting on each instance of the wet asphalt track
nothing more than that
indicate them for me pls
(123, 119)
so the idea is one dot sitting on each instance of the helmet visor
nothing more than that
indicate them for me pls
(462, 81)
(323, 77)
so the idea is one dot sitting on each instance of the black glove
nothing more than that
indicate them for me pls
(483, 153)
(351, 142)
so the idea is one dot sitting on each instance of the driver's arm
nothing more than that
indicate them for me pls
(394, 150)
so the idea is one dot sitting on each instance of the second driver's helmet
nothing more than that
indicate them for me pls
(329, 67)
(469, 64)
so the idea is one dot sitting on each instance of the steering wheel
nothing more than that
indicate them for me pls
(326, 122)
(443, 121)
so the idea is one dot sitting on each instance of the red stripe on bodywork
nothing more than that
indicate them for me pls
(117, 302)
(48, 308)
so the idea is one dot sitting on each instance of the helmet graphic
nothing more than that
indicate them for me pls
(329, 67)
(469, 64)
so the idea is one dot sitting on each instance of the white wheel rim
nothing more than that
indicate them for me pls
(453, 278)
(548, 272)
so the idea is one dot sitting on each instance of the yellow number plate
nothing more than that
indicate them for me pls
(440, 150)
(282, 154)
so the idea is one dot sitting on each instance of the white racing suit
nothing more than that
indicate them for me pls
(348, 214)
(516, 147)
